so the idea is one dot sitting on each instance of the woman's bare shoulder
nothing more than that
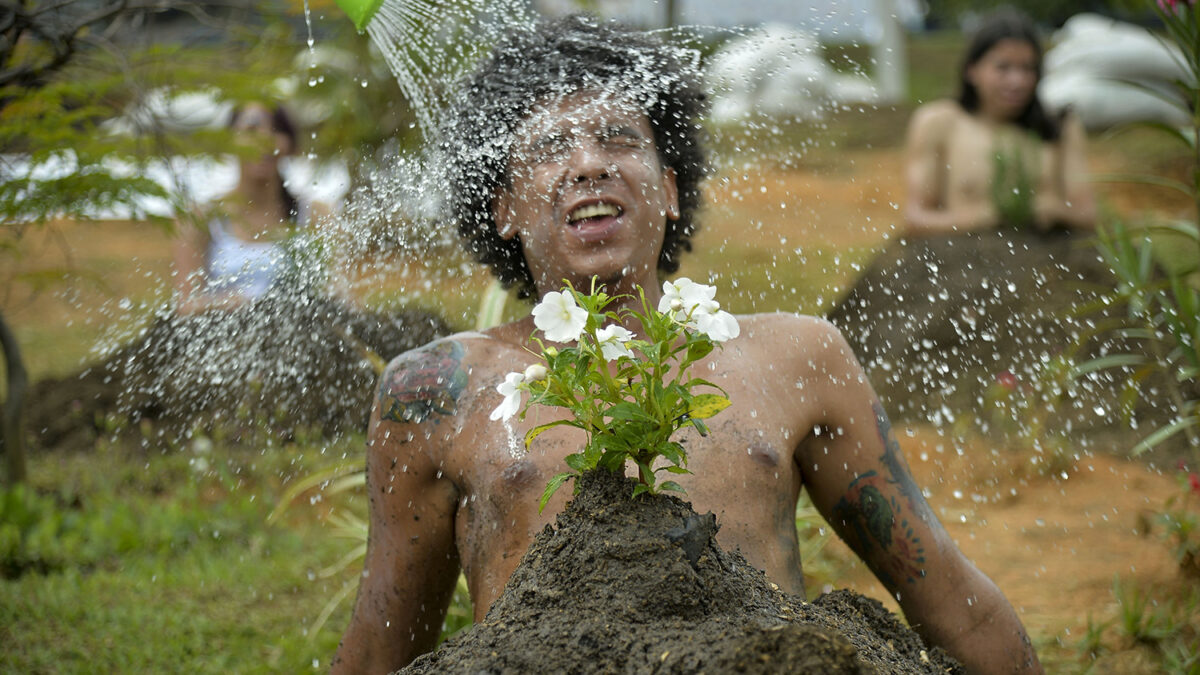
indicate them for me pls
(935, 117)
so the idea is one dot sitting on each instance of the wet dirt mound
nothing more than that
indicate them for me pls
(939, 321)
(279, 364)
(639, 586)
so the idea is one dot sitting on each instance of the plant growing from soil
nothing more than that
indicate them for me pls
(1162, 296)
(628, 394)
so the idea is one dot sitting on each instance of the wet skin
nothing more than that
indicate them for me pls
(450, 489)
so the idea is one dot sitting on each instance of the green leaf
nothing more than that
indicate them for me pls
(628, 411)
(578, 462)
(699, 349)
(701, 427)
(552, 487)
(704, 406)
(675, 469)
(1163, 434)
(639, 489)
(1105, 362)
(537, 431)
(672, 486)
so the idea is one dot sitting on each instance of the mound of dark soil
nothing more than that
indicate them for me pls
(281, 363)
(639, 586)
(935, 321)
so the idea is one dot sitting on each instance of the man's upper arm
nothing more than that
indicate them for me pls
(411, 562)
(856, 474)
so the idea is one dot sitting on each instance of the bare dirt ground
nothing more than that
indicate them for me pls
(1053, 544)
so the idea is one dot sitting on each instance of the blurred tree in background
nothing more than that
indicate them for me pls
(949, 14)
(76, 137)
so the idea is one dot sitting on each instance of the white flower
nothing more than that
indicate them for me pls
(719, 327)
(535, 372)
(510, 389)
(612, 339)
(683, 298)
(559, 317)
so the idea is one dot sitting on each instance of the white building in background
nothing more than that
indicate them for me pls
(774, 65)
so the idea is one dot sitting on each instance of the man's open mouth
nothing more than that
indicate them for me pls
(590, 212)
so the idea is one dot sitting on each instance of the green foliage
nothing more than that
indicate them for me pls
(1163, 300)
(193, 563)
(1165, 623)
(628, 395)
(1020, 412)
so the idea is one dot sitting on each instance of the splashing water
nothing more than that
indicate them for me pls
(428, 47)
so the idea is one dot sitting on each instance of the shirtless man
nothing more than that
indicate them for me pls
(951, 163)
(599, 176)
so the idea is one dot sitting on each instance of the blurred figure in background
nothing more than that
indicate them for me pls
(996, 157)
(236, 251)
(985, 282)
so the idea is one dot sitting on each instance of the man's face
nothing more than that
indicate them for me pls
(588, 195)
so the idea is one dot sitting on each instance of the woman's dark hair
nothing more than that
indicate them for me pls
(554, 59)
(281, 123)
(1009, 24)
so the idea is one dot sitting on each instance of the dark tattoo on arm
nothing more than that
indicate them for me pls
(878, 513)
(426, 381)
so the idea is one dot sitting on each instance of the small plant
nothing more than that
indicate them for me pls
(1020, 411)
(1180, 521)
(629, 395)
(1013, 187)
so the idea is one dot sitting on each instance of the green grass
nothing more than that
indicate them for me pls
(221, 591)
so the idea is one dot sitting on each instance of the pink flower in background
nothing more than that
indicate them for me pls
(1194, 482)
(1170, 5)
(1006, 380)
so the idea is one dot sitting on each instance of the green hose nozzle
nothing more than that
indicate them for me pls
(360, 11)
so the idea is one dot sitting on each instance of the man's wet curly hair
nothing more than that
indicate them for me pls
(554, 59)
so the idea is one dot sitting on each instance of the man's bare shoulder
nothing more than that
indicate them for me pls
(806, 342)
(429, 382)
(786, 328)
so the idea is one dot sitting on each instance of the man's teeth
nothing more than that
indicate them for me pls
(593, 211)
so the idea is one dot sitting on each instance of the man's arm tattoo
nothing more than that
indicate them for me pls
(426, 381)
(878, 512)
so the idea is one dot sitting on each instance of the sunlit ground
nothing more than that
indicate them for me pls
(175, 567)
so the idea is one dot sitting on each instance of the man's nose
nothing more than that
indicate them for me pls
(589, 162)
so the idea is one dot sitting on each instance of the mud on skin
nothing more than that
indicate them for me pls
(641, 586)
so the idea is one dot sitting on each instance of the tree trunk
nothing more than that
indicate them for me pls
(12, 427)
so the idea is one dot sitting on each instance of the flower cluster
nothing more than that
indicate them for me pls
(629, 394)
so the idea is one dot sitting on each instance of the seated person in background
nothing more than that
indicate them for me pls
(996, 157)
(575, 153)
(236, 253)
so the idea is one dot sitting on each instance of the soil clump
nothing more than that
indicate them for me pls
(942, 323)
(280, 364)
(641, 586)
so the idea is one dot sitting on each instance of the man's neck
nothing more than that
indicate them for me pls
(625, 289)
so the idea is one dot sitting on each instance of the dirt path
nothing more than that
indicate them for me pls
(1052, 544)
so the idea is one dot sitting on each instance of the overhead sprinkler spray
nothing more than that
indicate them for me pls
(360, 11)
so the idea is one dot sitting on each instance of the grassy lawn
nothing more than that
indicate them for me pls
(166, 563)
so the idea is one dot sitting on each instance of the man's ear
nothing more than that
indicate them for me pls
(671, 193)
(501, 214)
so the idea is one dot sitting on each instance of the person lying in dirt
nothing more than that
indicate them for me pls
(573, 154)
(996, 157)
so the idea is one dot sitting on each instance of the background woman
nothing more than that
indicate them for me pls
(235, 254)
(995, 156)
